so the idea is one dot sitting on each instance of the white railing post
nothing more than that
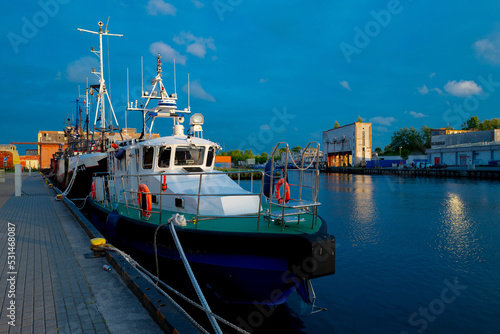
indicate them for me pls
(18, 179)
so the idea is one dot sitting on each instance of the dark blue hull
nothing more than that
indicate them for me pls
(233, 267)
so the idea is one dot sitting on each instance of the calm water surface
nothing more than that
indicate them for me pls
(414, 255)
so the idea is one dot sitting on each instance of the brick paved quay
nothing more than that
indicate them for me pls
(57, 288)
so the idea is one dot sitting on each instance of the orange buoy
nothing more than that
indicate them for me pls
(286, 195)
(145, 200)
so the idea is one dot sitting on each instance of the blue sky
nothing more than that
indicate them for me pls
(261, 72)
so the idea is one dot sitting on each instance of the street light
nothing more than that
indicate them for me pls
(400, 151)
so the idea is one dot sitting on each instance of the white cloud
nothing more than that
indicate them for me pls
(263, 80)
(462, 88)
(265, 127)
(416, 114)
(423, 90)
(345, 84)
(439, 91)
(156, 7)
(432, 75)
(387, 121)
(167, 52)
(198, 4)
(195, 45)
(58, 76)
(79, 70)
(197, 91)
(489, 48)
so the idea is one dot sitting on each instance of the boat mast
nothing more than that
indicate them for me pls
(103, 93)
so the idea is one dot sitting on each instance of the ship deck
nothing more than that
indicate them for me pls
(240, 224)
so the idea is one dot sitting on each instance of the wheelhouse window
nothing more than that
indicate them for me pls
(164, 157)
(189, 156)
(210, 156)
(147, 157)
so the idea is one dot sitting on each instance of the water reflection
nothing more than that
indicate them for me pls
(457, 232)
(364, 215)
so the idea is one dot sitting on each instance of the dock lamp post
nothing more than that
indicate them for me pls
(400, 152)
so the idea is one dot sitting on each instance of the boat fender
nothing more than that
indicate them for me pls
(93, 190)
(120, 153)
(112, 225)
(145, 200)
(178, 219)
(164, 183)
(268, 188)
(286, 195)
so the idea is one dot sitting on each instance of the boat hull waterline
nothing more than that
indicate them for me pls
(233, 267)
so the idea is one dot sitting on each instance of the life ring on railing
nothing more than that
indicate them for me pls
(286, 195)
(145, 200)
(93, 190)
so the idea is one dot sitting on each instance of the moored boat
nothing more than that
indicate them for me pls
(244, 245)
(85, 152)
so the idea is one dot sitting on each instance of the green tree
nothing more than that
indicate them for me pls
(248, 154)
(388, 149)
(472, 123)
(425, 132)
(495, 123)
(337, 125)
(360, 120)
(236, 155)
(407, 139)
(262, 158)
(490, 124)
(378, 150)
(296, 149)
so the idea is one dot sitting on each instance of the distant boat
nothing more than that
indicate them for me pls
(85, 153)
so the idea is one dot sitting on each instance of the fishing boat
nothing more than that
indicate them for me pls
(85, 151)
(252, 243)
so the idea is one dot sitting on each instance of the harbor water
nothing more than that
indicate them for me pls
(413, 255)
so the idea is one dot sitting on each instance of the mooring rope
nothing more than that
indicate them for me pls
(155, 280)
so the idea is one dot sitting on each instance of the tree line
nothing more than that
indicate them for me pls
(406, 141)
(239, 155)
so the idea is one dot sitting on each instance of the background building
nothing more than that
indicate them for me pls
(49, 143)
(463, 149)
(222, 161)
(8, 156)
(349, 145)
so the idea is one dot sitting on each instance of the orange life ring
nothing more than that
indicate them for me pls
(287, 191)
(93, 190)
(145, 200)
